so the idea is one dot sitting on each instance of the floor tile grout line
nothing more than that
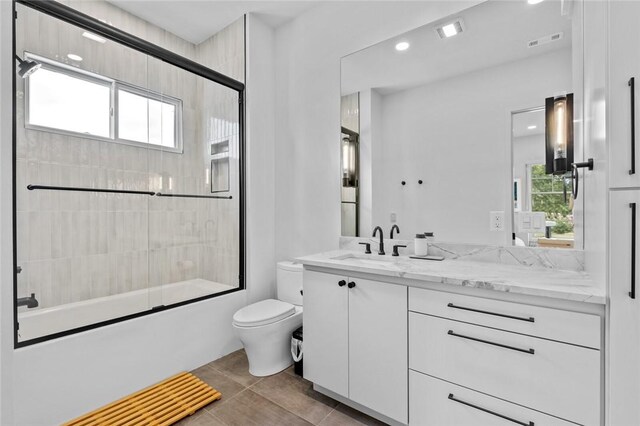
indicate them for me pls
(250, 388)
(289, 411)
(328, 414)
(222, 401)
(218, 419)
(230, 377)
(276, 403)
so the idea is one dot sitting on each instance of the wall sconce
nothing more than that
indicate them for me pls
(559, 140)
(559, 134)
(349, 148)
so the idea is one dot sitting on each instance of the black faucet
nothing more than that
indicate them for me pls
(395, 249)
(29, 301)
(396, 228)
(381, 247)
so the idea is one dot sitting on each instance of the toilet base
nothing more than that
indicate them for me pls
(268, 347)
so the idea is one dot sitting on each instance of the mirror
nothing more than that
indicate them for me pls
(431, 127)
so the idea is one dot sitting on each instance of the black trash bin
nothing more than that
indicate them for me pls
(296, 351)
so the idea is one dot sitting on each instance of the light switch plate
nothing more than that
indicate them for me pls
(530, 222)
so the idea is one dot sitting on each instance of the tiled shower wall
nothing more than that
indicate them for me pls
(74, 246)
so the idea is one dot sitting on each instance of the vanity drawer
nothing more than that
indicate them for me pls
(555, 324)
(436, 402)
(556, 378)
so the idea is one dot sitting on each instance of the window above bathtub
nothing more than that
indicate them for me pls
(64, 99)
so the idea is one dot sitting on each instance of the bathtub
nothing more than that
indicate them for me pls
(42, 322)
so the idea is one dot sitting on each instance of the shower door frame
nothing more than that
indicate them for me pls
(71, 16)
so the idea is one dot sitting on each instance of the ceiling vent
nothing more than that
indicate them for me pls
(450, 29)
(546, 39)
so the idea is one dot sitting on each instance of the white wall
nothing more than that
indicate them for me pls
(260, 210)
(308, 52)
(454, 136)
(594, 183)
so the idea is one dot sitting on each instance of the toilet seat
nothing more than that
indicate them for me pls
(263, 313)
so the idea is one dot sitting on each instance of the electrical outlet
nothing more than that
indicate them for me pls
(393, 218)
(496, 221)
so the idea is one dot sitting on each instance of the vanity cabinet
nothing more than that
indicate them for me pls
(624, 310)
(544, 359)
(355, 340)
(624, 89)
(430, 357)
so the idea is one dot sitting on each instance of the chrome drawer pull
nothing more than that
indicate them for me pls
(527, 351)
(530, 319)
(452, 398)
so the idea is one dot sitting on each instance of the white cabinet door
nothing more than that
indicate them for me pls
(378, 347)
(326, 328)
(624, 323)
(624, 57)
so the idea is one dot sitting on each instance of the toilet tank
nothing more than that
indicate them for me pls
(289, 282)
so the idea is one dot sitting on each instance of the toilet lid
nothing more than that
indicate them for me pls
(263, 312)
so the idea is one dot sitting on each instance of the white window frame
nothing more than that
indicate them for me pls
(114, 86)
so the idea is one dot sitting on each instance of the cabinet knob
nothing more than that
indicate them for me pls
(342, 283)
(351, 284)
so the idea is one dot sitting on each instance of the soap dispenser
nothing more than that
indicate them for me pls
(421, 245)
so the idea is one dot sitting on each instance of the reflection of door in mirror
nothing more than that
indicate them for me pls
(349, 152)
(543, 209)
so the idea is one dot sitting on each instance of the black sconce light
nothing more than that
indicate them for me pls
(559, 140)
(349, 149)
(559, 134)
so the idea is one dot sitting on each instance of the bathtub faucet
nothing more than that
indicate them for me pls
(29, 302)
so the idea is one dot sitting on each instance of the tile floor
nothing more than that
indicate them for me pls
(282, 399)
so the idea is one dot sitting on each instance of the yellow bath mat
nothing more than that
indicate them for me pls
(161, 404)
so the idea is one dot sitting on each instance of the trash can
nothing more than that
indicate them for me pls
(296, 351)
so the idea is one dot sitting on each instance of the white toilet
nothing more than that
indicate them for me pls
(265, 327)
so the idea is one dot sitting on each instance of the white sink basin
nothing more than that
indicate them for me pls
(372, 259)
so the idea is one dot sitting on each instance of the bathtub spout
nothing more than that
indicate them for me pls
(29, 302)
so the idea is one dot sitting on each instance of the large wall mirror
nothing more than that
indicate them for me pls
(443, 127)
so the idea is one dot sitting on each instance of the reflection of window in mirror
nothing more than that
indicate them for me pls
(543, 209)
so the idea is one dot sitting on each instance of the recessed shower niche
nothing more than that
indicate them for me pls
(118, 213)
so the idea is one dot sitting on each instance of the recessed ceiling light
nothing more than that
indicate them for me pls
(534, 1)
(532, 127)
(92, 36)
(450, 29)
(403, 45)
(74, 57)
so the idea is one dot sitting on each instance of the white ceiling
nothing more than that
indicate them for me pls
(197, 20)
(495, 32)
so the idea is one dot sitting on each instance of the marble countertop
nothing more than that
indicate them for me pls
(554, 283)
